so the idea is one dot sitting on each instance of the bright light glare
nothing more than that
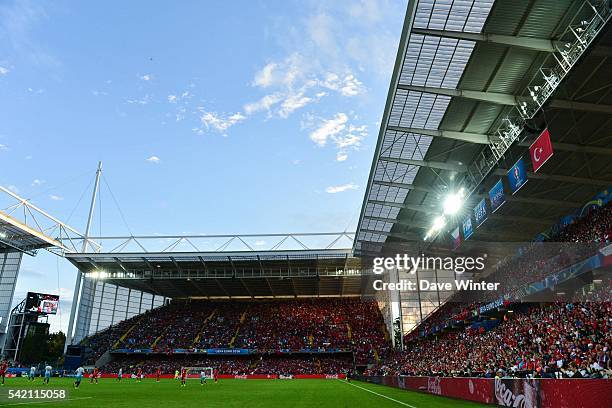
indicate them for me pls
(439, 223)
(98, 275)
(453, 202)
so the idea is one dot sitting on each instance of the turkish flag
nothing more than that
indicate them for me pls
(541, 150)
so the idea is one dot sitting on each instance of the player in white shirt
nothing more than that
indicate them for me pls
(120, 374)
(32, 373)
(79, 376)
(48, 369)
(202, 377)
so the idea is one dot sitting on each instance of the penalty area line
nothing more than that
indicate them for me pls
(48, 401)
(376, 393)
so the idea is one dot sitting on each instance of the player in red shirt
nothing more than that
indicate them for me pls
(157, 374)
(215, 375)
(139, 374)
(94, 375)
(3, 368)
(183, 376)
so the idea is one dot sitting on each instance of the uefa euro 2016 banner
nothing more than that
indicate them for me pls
(517, 176)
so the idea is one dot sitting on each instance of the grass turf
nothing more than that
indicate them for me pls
(227, 393)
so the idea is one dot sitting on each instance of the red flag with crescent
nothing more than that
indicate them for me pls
(541, 150)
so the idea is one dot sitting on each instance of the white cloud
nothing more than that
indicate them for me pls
(347, 85)
(56, 197)
(172, 98)
(329, 128)
(341, 188)
(3, 147)
(146, 77)
(264, 78)
(142, 101)
(4, 71)
(153, 159)
(264, 104)
(220, 122)
(260, 243)
(13, 188)
(341, 156)
(353, 137)
(344, 135)
(293, 102)
(37, 182)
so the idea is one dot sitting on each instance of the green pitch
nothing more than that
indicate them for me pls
(226, 393)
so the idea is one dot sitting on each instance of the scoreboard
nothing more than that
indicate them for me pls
(41, 303)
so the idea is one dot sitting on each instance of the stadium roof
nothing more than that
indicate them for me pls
(26, 228)
(250, 265)
(462, 68)
(323, 272)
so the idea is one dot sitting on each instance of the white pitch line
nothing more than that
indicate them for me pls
(50, 401)
(375, 393)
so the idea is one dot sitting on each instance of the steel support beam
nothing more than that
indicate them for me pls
(445, 134)
(459, 168)
(412, 224)
(413, 207)
(492, 97)
(542, 201)
(404, 236)
(534, 44)
(406, 186)
(506, 99)
(519, 219)
(580, 106)
(561, 179)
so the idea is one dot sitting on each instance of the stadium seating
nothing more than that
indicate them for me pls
(301, 325)
(536, 261)
(554, 340)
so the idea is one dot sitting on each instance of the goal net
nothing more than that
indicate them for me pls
(195, 372)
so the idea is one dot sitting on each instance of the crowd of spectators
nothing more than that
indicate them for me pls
(236, 365)
(554, 340)
(321, 324)
(533, 262)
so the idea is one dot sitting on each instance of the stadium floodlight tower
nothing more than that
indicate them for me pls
(25, 229)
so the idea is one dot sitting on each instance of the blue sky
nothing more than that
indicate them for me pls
(208, 117)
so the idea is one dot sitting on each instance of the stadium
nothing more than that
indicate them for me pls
(478, 272)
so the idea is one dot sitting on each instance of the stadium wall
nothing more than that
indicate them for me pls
(103, 304)
(524, 393)
(9, 271)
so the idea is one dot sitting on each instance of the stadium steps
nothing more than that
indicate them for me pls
(160, 336)
(240, 322)
(208, 319)
(376, 356)
(124, 335)
(386, 333)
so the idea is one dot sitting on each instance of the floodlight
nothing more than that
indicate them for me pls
(453, 202)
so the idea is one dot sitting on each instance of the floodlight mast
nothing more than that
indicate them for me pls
(77, 285)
